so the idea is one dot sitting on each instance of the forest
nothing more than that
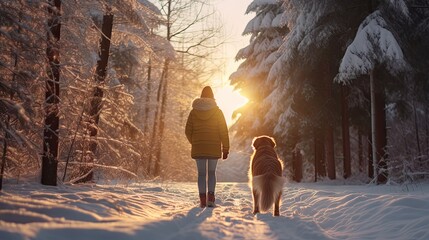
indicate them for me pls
(101, 89)
(342, 85)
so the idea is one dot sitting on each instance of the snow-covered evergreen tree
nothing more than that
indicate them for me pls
(121, 136)
(303, 106)
(22, 84)
(267, 32)
(376, 43)
(22, 61)
(377, 51)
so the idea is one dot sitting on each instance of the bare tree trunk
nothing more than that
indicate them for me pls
(97, 97)
(329, 151)
(416, 127)
(327, 126)
(162, 121)
(319, 154)
(379, 134)
(50, 133)
(155, 138)
(162, 99)
(296, 161)
(420, 160)
(297, 164)
(147, 99)
(146, 116)
(427, 131)
(373, 126)
(3, 159)
(346, 132)
(360, 151)
(296, 154)
(316, 165)
(145, 147)
(370, 160)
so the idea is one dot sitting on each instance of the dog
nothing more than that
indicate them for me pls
(265, 175)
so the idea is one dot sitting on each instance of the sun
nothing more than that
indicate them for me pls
(228, 101)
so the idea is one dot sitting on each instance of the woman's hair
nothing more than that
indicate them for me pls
(207, 92)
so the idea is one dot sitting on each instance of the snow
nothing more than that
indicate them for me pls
(373, 44)
(267, 16)
(259, 4)
(278, 21)
(167, 210)
(267, 20)
(252, 26)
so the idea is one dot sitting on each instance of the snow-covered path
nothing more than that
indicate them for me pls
(170, 211)
(232, 219)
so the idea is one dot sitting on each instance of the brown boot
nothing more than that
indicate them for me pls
(211, 200)
(203, 200)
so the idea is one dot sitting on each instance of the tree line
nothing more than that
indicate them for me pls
(84, 85)
(342, 85)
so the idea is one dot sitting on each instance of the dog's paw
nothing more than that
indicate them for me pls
(276, 213)
(255, 212)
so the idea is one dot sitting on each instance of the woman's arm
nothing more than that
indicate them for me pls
(189, 128)
(223, 132)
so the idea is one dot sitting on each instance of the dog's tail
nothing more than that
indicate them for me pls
(268, 187)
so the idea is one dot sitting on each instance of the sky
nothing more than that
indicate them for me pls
(167, 210)
(234, 20)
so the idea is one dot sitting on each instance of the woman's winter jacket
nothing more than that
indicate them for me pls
(206, 129)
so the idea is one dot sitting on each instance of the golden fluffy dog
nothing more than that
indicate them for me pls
(265, 175)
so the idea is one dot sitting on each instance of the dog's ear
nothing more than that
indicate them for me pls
(256, 142)
(272, 141)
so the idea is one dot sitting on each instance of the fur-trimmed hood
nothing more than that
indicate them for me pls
(204, 104)
(204, 108)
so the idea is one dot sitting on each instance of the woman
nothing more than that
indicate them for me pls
(207, 132)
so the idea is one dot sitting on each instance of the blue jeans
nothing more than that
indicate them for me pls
(205, 166)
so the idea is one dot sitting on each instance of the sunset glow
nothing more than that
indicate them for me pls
(228, 101)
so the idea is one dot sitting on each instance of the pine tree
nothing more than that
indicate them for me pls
(305, 94)
(376, 51)
(407, 94)
(267, 32)
(17, 77)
